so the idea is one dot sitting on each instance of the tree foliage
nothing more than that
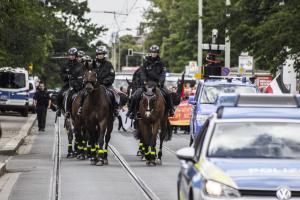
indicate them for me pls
(35, 31)
(266, 29)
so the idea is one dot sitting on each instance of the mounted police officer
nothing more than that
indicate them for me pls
(105, 76)
(153, 70)
(71, 74)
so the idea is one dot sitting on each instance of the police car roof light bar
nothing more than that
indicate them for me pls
(267, 100)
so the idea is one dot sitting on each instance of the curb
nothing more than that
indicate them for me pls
(2, 168)
(14, 143)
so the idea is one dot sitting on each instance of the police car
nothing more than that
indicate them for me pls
(247, 150)
(14, 90)
(32, 91)
(206, 94)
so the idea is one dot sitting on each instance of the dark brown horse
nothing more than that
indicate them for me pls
(154, 118)
(97, 115)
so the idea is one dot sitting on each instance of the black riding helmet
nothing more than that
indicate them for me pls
(81, 54)
(101, 50)
(73, 51)
(154, 49)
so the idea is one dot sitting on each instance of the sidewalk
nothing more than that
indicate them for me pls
(14, 130)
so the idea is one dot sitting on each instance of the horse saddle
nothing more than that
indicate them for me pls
(69, 97)
(113, 95)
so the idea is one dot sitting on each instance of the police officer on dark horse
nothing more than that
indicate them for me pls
(153, 70)
(71, 74)
(105, 76)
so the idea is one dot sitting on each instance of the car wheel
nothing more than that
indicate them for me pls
(191, 196)
(25, 112)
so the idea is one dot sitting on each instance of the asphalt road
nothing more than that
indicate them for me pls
(125, 177)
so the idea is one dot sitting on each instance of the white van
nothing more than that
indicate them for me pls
(32, 91)
(14, 90)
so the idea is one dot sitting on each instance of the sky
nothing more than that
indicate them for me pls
(135, 8)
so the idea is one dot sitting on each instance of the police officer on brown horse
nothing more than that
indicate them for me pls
(153, 70)
(105, 76)
(71, 74)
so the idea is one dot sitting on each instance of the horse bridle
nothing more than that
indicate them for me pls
(148, 98)
(91, 82)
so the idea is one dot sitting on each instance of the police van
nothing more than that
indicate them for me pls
(14, 90)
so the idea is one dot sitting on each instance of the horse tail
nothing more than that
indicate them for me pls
(169, 132)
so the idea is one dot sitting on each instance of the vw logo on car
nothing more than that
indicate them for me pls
(283, 193)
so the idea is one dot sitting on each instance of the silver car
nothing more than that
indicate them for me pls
(245, 152)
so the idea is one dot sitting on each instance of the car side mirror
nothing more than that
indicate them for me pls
(192, 100)
(186, 154)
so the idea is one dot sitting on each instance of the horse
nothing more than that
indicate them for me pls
(154, 118)
(97, 115)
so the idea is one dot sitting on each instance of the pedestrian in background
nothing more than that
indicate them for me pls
(41, 102)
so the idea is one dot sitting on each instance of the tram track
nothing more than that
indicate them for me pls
(148, 193)
(55, 176)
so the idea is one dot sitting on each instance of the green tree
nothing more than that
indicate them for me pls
(34, 31)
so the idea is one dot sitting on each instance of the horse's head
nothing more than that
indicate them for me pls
(130, 88)
(149, 98)
(90, 79)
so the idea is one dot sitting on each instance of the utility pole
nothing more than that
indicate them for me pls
(227, 39)
(200, 34)
(115, 37)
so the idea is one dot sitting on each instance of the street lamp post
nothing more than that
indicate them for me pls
(227, 39)
(200, 34)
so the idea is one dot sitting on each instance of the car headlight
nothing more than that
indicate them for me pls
(201, 118)
(215, 189)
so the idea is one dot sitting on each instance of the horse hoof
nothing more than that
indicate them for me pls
(105, 162)
(158, 162)
(100, 163)
(70, 155)
(148, 163)
(153, 162)
(143, 158)
(93, 162)
(139, 153)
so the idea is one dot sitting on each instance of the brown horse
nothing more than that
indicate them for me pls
(97, 115)
(154, 117)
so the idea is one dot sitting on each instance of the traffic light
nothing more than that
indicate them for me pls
(30, 68)
(130, 52)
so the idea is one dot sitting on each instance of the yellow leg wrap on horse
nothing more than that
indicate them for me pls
(140, 144)
(97, 146)
(100, 151)
(85, 148)
(83, 142)
(69, 145)
(105, 150)
(93, 150)
(152, 152)
(80, 147)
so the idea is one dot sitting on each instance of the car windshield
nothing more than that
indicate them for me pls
(210, 93)
(255, 140)
(12, 80)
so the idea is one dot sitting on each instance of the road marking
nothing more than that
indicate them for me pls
(170, 150)
(149, 194)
